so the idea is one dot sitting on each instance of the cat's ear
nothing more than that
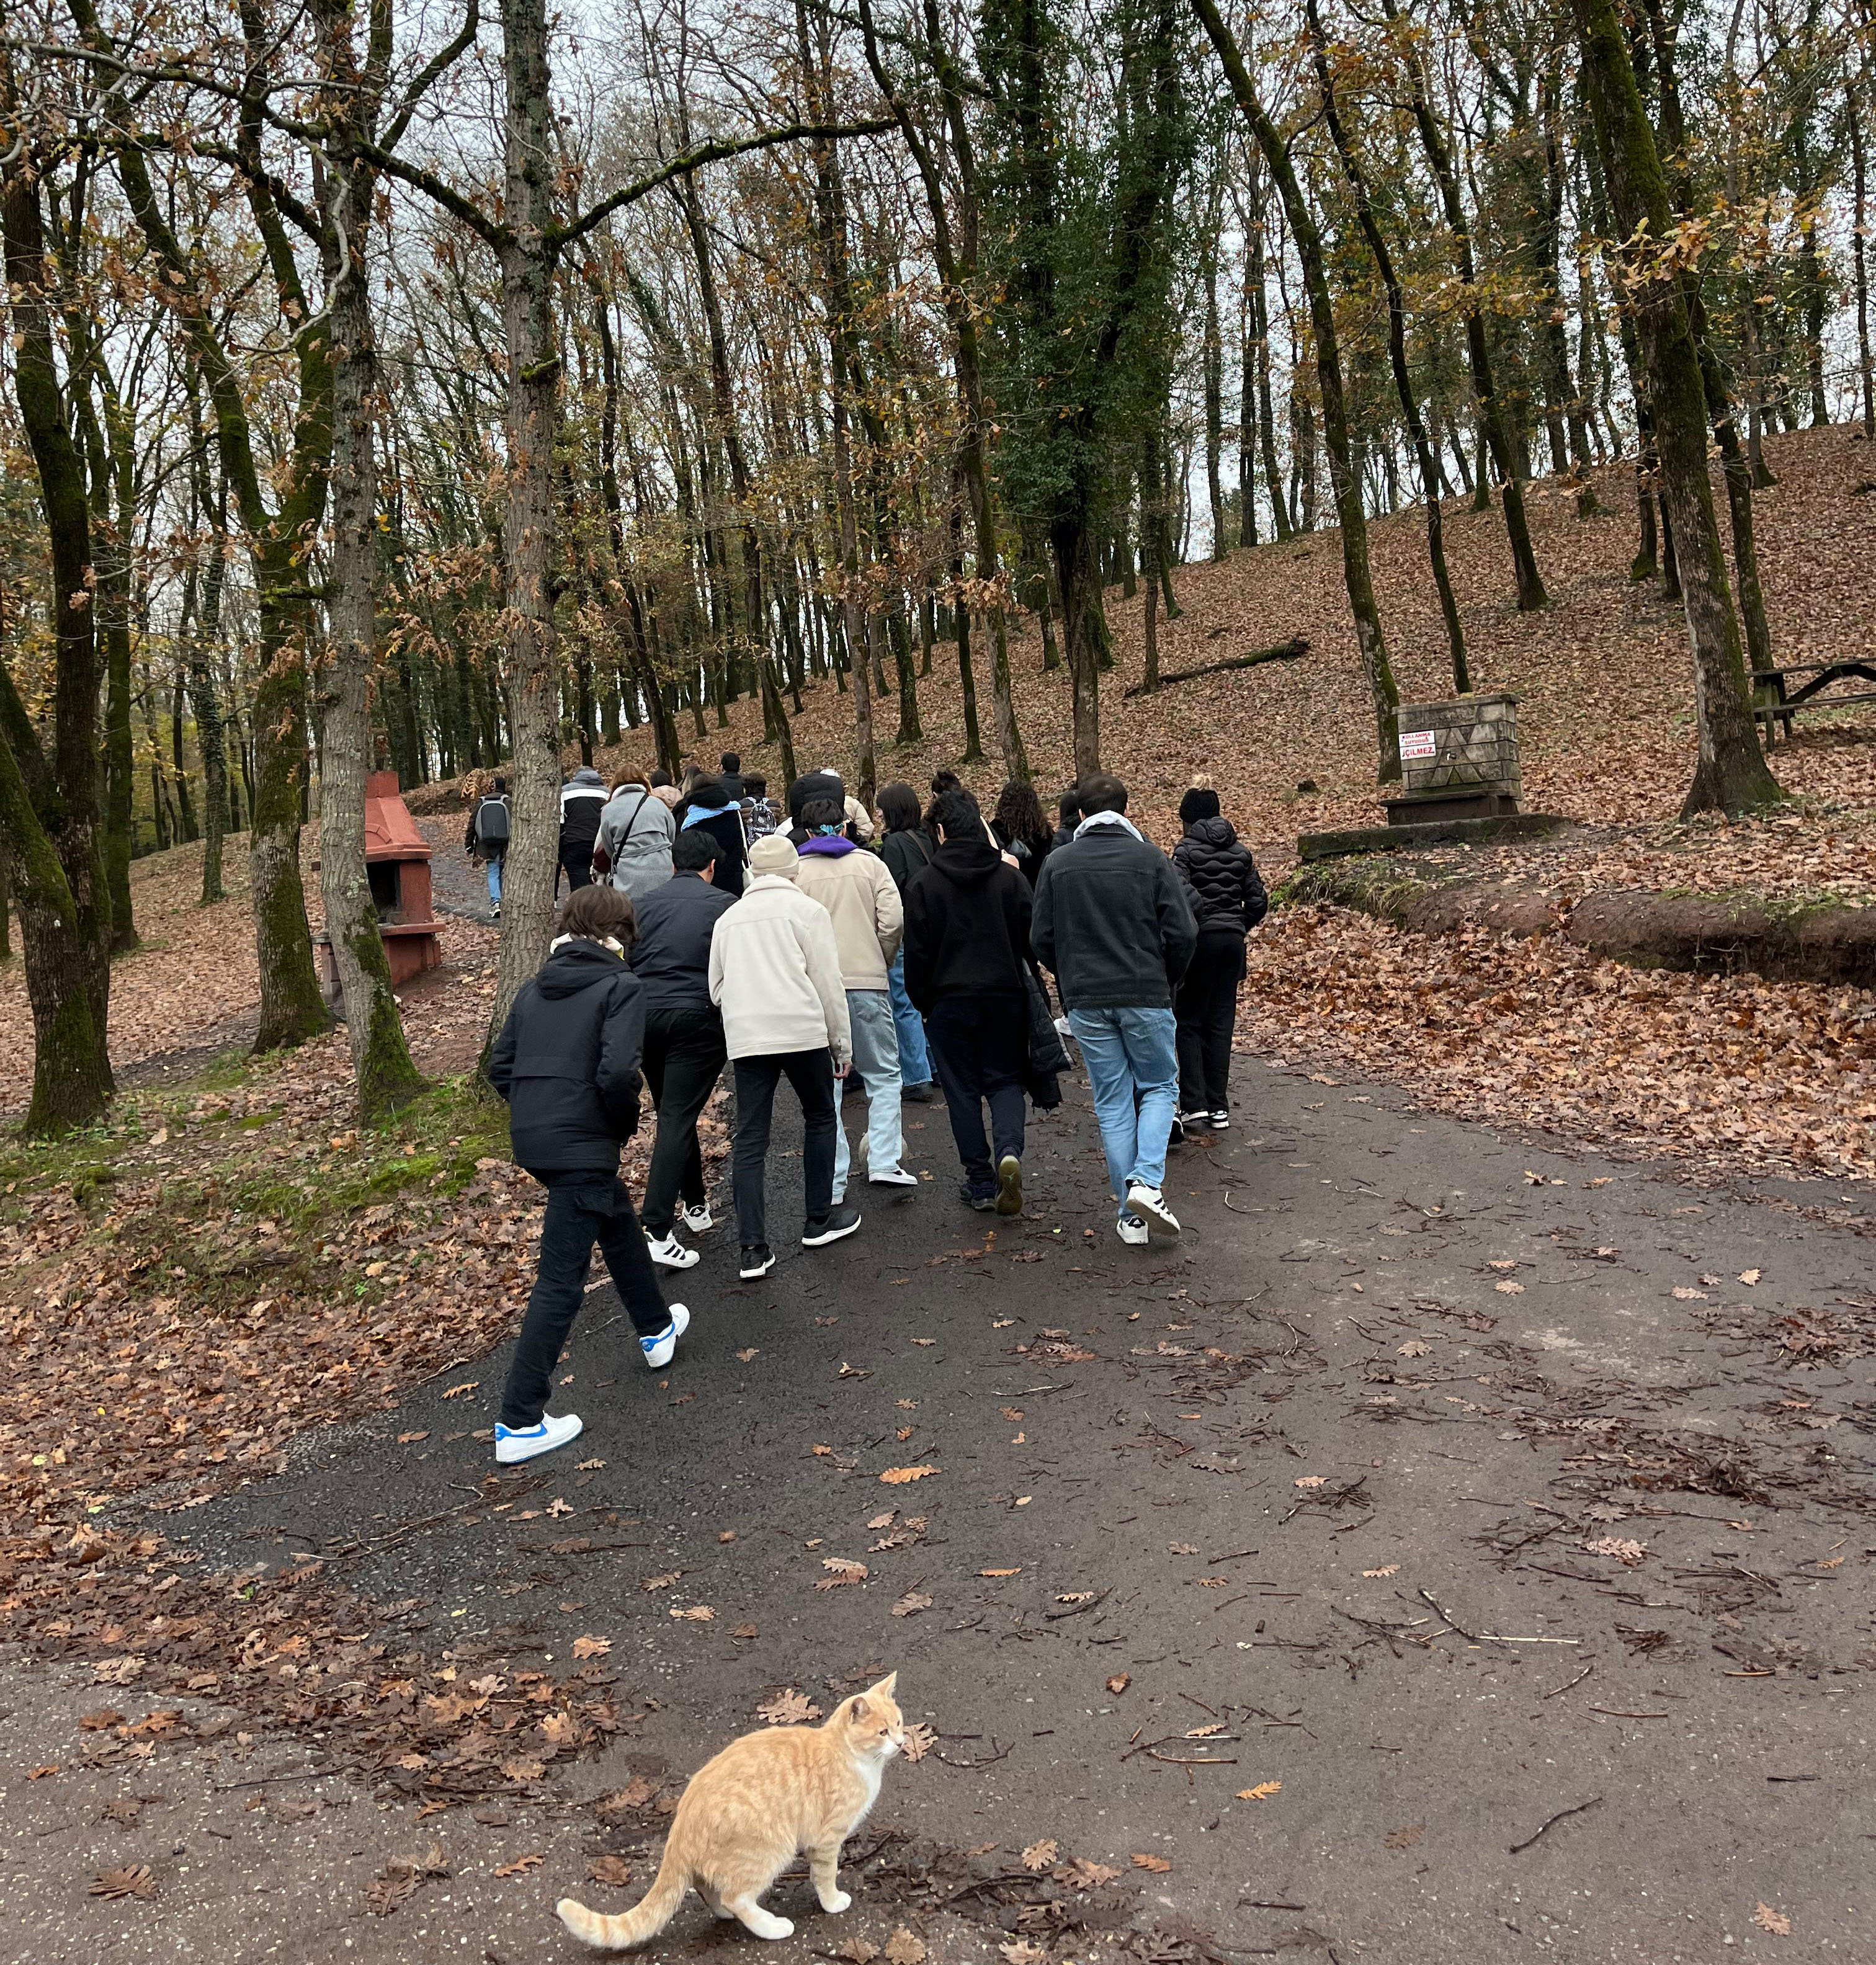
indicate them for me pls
(884, 1688)
(857, 1711)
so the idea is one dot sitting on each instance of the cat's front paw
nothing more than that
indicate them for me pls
(778, 1927)
(835, 1901)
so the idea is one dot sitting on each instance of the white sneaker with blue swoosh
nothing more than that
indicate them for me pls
(516, 1443)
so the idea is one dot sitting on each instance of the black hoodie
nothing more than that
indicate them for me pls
(1228, 896)
(966, 925)
(568, 1061)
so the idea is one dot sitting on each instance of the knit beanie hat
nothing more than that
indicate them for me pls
(1201, 801)
(774, 853)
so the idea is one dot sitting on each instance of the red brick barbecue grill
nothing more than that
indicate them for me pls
(397, 864)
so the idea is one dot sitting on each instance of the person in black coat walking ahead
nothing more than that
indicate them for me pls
(967, 949)
(568, 1063)
(1228, 900)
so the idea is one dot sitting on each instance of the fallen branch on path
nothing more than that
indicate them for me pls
(1488, 1636)
(1292, 650)
(1562, 1815)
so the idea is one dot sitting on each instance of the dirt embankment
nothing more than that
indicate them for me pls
(1783, 939)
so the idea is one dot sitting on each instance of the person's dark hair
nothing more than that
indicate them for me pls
(1018, 816)
(659, 778)
(823, 811)
(1200, 802)
(599, 913)
(692, 850)
(958, 814)
(500, 786)
(705, 794)
(1102, 792)
(755, 784)
(730, 761)
(1069, 805)
(899, 806)
(945, 781)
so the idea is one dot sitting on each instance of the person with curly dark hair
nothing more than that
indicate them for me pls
(1021, 830)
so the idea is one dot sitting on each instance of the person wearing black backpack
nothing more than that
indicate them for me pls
(485, 837)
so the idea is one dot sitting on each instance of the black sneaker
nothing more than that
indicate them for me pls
(983, 1199)
(838, 1222)
(1175, 1135)
(919, 1094)
(757, 1260)
(1220, 1120)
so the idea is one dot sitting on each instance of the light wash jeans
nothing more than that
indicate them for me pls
(914, 1059)
(875, 1064)
(1132, 1056)
(494, 882)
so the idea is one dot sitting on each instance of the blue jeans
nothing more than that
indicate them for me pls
(494, 883)
(1132, 1057)
(875, 1065)
(915, 1059)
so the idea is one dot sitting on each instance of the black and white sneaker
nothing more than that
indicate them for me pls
(670, 1253)
(698, 1219)
(757, 1260)
(839, 1222)
(1220, 1120)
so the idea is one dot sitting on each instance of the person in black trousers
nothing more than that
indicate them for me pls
(568, 1063)
(967, 942)
(1228, 900)
(684, 1037)
(582, 800)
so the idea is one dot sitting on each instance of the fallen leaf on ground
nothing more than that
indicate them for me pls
(588, 1466)
(1414, 1347)
(558, 1508)
(919, 1741)
(842, 1570)
(1158, 1864)
(661, 1582)
(1403, 1839)
(520, 1865)
(905, 1947)
(1022, 1951)
(897, 1477)
(698, 1613)
(788, 1709)
(857, 1949)
(1078, 1873)
(1625, 1550)
(1040, 1855)
(1262, 1792)
(137, 1881)
(1684, 1293)
(1119, 1682)
(609, 1869)
(1749, 1277)
(1774, 1920)
(591, 1648)
(1311, 1481)
(911, 1604)
(1509, 1289)
(411, 1439)
(1016, 1572)
(1392, 1569)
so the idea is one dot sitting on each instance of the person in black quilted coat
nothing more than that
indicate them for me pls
(1228, 899)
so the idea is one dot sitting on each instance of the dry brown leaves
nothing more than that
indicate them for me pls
(788, 1709)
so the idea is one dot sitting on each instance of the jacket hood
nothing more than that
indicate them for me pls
(830, 846)
(814, 785)
(576, 965)
(586, 775)
(1213, 832)
(966, 862)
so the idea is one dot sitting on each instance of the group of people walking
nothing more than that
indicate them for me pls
(707, 930)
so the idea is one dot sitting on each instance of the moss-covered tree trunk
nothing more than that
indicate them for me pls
(381, 1059)
(49, 807)
(1732, 775)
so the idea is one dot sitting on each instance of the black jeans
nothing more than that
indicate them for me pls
(684, 1058)
(1206, 1009)
(811, 1073)
(577, 863)
(582, 1209)
(980, 1046)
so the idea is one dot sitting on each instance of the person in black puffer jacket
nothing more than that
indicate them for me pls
(1228, 900)
(568, 1061)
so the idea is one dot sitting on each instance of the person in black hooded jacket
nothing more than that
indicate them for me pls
(1228, 900)
(966, 948)
(568, 1061)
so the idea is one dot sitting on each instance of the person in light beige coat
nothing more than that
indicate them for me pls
(775, 976)
(857, 889)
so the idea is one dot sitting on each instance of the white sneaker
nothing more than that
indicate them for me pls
(524, 1442)
(662, 1346)
(1064, 1029)
(699, 1220)
(1131, 1230)
(1150, 1203)
(670, 1253)
(892, 1177)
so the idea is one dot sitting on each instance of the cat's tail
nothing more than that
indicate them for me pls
(646, 1918)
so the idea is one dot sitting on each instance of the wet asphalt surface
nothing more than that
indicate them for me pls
(1406, 1479)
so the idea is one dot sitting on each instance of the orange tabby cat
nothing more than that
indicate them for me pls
(746, 1815)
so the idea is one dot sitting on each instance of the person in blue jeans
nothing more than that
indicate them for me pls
(486, 836)
(1112, 921)
(906, 847)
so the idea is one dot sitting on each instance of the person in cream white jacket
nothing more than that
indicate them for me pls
(775, 976)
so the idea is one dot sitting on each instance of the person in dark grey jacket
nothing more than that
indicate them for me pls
(1228, 900)
(568, 1063)
(1112, 920)
(684, 1037)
